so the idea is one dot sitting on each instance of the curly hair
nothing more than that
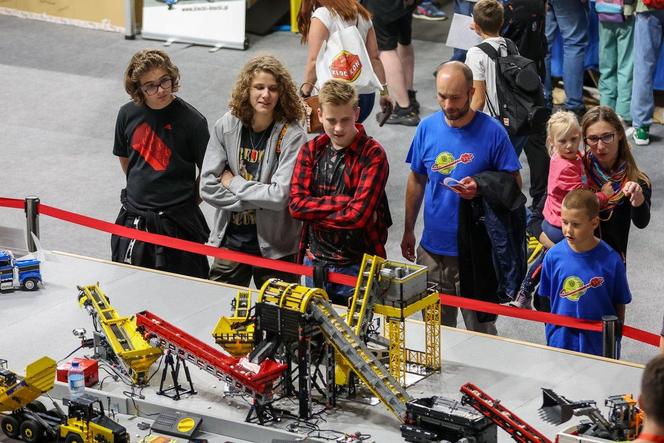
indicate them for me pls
(289, 107)
(143, 62)
(608, 115)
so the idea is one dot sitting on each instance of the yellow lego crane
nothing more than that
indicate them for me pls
(116, 338)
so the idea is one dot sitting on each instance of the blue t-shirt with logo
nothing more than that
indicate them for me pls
(584, 285)
(440, 151)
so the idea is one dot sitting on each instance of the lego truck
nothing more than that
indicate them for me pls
(27, 419)
(18, 274)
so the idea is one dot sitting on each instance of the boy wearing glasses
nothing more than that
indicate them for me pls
(160, 140)
(582, 276)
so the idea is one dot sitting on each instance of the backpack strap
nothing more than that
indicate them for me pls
(511, 47)
(280, 139)
(489, 50)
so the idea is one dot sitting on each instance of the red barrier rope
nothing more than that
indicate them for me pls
(544, 317)
(293, 268)
(176, 243)
(12, 203)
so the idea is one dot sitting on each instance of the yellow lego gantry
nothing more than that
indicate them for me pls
(133, 352)
(407, 295)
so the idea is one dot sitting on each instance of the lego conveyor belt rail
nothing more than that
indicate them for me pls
(374, 375)
(225, 367)
(500, 415)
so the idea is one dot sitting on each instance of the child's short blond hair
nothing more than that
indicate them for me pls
(489, 16)
(561, 123)
(582, 199)
(337, 93)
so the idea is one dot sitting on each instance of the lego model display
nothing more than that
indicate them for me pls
(115, 338)
(623, 422)
(437, 418)
(18, 273)
(332, 353)
(29, 420)
(254, 378)
(17, 391)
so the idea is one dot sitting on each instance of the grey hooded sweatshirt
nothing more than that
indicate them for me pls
(278, 233)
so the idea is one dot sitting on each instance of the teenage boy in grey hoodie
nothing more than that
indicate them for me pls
(247, 171)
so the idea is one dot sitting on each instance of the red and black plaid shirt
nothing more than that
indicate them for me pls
(364, 204)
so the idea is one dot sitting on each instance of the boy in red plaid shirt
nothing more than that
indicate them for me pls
(338, 191)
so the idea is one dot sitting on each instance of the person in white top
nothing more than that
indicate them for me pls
(317, 20)
(487, 21)
(488, 16)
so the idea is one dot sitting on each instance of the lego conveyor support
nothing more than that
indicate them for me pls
(376, 377)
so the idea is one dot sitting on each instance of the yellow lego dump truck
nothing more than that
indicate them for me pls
(26, 418)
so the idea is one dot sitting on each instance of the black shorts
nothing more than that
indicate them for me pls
(389, 34)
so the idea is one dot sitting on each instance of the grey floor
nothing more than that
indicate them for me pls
(61, 89)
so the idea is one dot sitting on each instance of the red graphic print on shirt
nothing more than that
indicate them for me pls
(148, 144)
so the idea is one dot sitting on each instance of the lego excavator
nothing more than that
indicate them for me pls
(623, 422)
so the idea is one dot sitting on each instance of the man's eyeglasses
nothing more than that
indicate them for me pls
(592, 140)
(165, 83)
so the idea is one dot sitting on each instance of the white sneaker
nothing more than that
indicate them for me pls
(629, 132)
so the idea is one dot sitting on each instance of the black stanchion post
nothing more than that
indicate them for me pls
(32, 220)
(609, 336)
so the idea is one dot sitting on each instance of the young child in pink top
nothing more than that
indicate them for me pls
(566, 171)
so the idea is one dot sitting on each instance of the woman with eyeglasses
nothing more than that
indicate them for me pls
(247, 172)
(609, 159)
(611, 171)
(160, 140)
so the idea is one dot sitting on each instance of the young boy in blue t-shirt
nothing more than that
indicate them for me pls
(582, 275)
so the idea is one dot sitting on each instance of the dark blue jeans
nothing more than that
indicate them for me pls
(338, 294)
(366, 105)
(570, 17)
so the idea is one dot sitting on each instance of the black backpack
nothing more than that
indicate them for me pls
(520, 92)
(524, 24)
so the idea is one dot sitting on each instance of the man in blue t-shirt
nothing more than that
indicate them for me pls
(583, 276)
(450, 147)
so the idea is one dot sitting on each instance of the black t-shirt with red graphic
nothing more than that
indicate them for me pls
(163, 146)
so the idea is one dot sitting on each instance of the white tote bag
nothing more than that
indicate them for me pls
(344, 57)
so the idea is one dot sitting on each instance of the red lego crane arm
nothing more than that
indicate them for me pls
(210, 359)
(518, 429)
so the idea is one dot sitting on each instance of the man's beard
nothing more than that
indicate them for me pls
(457, 114)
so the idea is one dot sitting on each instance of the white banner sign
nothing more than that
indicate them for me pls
(219, 23)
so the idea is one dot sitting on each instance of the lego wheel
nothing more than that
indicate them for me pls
(31, 431)
(73, 438)
(10, 426)
(30, 284)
